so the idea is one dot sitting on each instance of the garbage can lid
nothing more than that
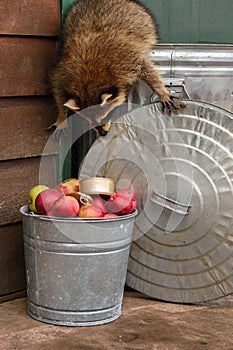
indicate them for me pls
(181, 168)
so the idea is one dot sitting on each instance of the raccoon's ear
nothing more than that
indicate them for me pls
(71, 104)
(105, 99)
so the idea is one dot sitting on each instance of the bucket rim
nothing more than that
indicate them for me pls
(25, 212)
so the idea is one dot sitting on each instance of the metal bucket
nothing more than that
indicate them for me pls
(76, 268)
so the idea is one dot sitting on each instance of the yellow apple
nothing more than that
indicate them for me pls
(32, 194)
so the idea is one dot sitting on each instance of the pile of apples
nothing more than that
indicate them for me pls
(65, 200)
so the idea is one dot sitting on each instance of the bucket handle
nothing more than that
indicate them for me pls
(85, 198)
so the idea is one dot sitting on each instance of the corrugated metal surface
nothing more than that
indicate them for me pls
(205, 70)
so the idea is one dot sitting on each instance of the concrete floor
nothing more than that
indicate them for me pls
(144, 324)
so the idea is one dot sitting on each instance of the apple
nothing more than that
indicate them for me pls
(110, 216)
(99, 202)
(66, 206)
(68, 186)
(32, 194)
(46, 199)
(122, 202)
(90, 211)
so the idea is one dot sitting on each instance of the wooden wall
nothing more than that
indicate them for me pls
(28, 38)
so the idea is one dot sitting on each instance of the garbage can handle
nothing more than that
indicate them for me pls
(169, 203)
(176, 87)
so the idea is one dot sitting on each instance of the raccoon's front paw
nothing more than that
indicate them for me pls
(169, 105)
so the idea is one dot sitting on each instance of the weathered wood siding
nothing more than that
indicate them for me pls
(28, 40)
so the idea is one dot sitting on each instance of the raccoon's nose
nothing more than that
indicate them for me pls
(102, 132)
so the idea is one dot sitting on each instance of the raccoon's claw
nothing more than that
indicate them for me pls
(51, 126)
(170, 105)
(58, 133)
(59, 130)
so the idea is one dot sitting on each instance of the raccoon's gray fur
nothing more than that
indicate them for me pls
(104, 52)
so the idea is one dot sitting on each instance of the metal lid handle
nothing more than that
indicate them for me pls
(169, 203)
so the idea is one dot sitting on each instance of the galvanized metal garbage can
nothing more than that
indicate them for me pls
(181, 168)
(76, 268)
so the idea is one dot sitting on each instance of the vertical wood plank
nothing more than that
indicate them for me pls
(160, 11)
(65, 4)
(195, 21)
(216, 25)
(179, 19)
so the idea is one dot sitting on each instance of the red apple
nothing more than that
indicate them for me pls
(90, 211)
(122, 202)
(46, 199)
(66, 206)
(68, 186)
(110, 216)
(99, 202)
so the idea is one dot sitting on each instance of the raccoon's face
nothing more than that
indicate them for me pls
(97, 112)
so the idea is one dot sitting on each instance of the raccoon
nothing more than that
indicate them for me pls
(104, 52)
